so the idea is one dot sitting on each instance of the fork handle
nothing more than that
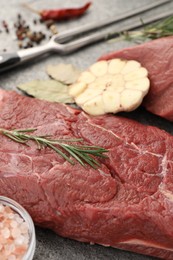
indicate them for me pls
(8, 60)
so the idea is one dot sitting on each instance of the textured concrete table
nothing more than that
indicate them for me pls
(49, 245)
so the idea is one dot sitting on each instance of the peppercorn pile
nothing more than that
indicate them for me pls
(27, 37)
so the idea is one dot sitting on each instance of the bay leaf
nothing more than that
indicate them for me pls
(66, 73)
(50, 90)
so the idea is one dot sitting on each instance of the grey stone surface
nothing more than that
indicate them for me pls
(49, 245)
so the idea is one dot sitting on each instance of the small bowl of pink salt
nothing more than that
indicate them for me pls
(17, 232)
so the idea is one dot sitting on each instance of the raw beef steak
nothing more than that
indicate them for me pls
(156, 56)
(126, 203)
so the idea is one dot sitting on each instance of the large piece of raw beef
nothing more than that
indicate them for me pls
(157, 57)
(126, 203)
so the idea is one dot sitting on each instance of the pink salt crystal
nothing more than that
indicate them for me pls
(15, 232)
(9, 248)
(12, 257)
(20, 250)
(14, 235)
(11, 215)
(19, 240)
(13, 224)
(8, 209)
(18, 218)
(5, 232)
(1, 225)
(24, 228)
(2, 240)
(1, 208)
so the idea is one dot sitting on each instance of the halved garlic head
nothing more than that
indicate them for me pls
(111, 86)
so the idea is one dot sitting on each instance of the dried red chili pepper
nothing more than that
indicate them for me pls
(62, 14)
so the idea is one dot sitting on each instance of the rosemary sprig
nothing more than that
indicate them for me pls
(84, 154)
(153, 31)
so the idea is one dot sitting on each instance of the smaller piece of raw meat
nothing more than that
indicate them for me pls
(157, 57)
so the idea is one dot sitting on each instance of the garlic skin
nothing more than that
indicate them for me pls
(111, 86)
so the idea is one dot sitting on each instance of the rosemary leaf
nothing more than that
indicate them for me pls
(92, 147)
(82, 154)
(162, 28)
(14, 138)
(61, 153)
(93, 160)
(25, 130)
(39, 145)
(65, 140)
(88, 160)
(97, 151)
(71, 152)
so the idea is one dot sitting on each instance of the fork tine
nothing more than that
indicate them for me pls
(64, 36)
(97, 36)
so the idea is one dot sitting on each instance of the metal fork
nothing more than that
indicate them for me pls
(63, 43)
